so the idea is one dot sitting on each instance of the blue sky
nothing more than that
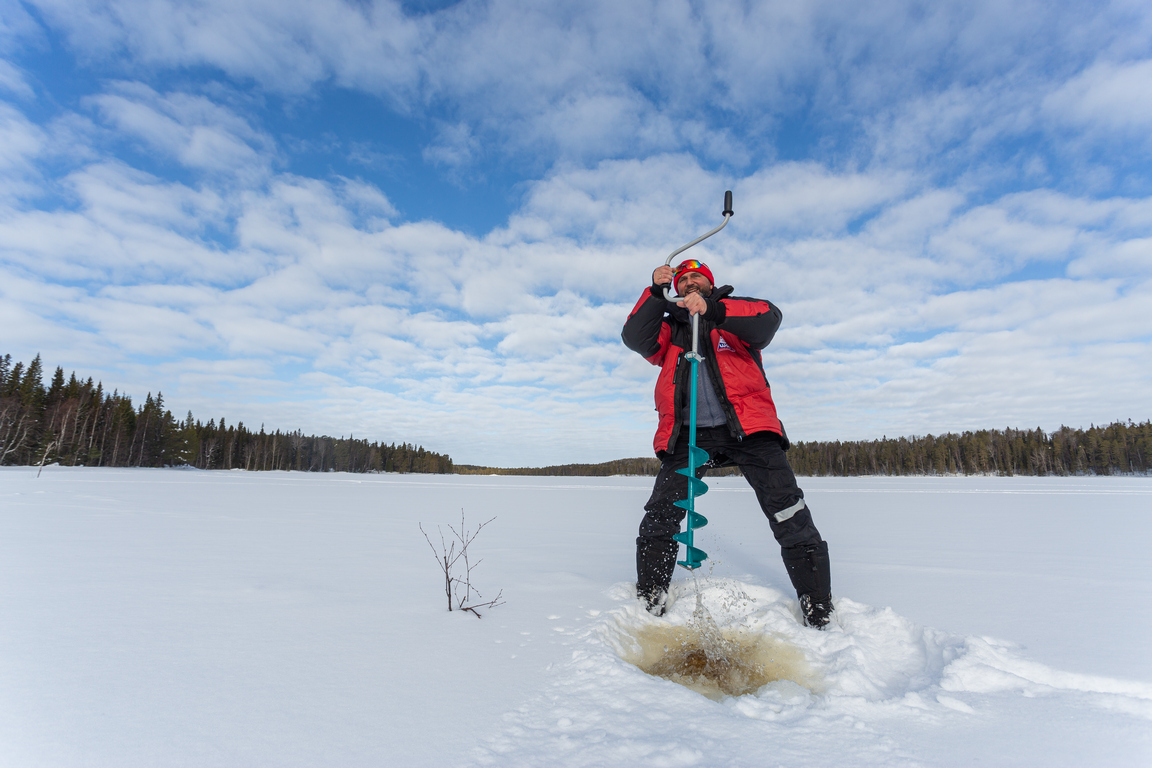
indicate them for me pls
(426, 222)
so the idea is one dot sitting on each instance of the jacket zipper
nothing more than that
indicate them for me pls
(680, 387)
(677, 396)
(722, 390)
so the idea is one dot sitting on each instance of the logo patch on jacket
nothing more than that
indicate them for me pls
(723, 345)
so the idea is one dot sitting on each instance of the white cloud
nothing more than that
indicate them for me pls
(127, 226)
(21, 142)
(806, 197)
(657, 202)
(368, 201)
(986, 243)
(1108, 95)
(17, 27)
(286, 46)
(454, 146)
(13, 81)
(188, 128)
(1122, 259)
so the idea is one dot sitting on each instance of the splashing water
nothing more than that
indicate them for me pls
(716, 661)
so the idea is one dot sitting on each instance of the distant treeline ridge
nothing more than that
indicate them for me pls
(1118, 448)
(75, 422)
(644, 466)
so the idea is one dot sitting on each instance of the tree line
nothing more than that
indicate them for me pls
(642, 466)
(648, 465)
(77, 423)
(1118, 448)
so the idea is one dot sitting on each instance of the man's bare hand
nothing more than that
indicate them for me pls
(663, 275)
(694, 303)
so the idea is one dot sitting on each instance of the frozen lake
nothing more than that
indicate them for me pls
(177, 617)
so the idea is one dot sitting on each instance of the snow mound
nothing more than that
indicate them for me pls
(659, 691)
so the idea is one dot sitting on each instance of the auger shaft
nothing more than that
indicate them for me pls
(697, 457)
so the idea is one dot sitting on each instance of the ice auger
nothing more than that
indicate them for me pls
(697, 457)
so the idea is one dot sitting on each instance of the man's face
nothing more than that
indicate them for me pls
(693, 282)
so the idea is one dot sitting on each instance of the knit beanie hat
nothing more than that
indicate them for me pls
(692, 265)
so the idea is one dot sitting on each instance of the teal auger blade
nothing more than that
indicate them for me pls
(693, 559)
(697, 458)
(685, 537)
(699, 488)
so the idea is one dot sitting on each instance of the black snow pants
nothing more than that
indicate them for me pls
(761, 458)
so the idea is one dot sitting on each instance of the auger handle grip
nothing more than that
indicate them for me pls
(727, 217)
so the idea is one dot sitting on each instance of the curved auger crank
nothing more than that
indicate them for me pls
(697, 457)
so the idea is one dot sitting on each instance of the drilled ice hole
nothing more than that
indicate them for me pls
(715, 661)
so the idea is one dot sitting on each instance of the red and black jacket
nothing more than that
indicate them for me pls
(732, 333)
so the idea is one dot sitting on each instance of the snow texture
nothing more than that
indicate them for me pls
(185, 618)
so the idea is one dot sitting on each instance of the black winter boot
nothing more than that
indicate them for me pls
(817, 613)
(810, 570)
(655, 562)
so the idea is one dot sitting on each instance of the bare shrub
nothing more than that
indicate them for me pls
(456, 565)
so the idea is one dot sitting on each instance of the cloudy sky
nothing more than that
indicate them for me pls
(427, 221)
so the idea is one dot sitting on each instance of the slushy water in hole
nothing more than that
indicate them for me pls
(715, 661)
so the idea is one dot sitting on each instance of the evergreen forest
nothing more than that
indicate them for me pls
(77, 423)
(1117, 449)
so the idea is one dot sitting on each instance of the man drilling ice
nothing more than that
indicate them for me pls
(736, 424)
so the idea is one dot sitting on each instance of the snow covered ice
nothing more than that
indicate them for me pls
(176, 617)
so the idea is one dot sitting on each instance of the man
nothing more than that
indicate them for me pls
(736, 424)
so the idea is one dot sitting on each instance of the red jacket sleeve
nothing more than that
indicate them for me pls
(645, 331)
(753, 321)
